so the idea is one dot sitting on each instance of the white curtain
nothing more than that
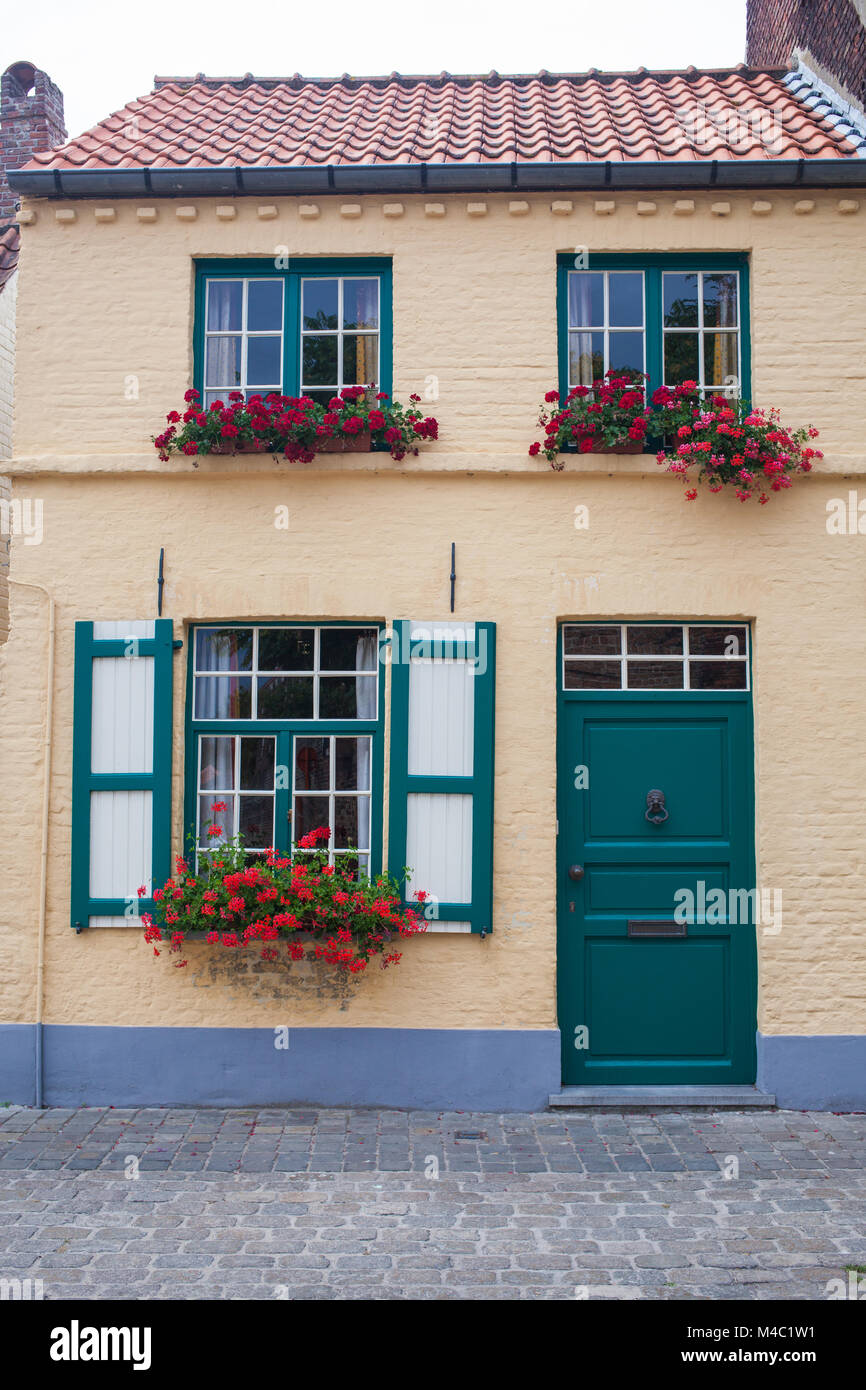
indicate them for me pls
(221, 352)
(213, 697)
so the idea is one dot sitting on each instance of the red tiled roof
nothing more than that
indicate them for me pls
(10, 241)
(201, 122)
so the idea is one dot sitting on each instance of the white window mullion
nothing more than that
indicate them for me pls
(316, 633)
(332, 800)
(702, 374)
(242, 386)
(340, 382)
(236, 818)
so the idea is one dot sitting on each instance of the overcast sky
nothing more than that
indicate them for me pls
(104, 53)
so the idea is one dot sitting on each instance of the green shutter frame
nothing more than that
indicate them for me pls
(84, 781)
(479, 913)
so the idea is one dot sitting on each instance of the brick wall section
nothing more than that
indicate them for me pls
(368, 544)
(830, 31)
(31, 120)
(8, 298)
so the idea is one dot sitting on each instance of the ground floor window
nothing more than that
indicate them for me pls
(284, 736)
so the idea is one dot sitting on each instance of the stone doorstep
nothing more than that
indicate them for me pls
(661, 1098)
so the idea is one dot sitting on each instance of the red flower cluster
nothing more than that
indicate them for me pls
(727, 443)
(293, 425)
(606, 414)
(237, 901)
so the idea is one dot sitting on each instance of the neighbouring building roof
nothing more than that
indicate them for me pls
(210, 134)
(10, 240)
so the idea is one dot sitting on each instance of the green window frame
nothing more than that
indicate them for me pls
(654, 267)
(284, 731)
(292, 272)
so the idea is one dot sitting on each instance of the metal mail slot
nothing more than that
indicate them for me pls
(656, 928)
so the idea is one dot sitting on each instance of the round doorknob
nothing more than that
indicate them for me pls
(576, 872)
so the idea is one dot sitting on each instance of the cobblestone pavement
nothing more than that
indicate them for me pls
(356, 1141)
(385, 1205)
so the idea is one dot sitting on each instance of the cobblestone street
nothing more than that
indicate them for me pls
(211, 1204)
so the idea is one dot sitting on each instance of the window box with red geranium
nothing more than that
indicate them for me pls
(331, 913)
(727, 443)
(357, 419)
(609, 417)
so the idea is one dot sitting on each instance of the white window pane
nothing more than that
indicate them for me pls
(264, 305)
(441, 718)
(223, 697)
(264, 360)
(223, 363)
(361, 304)
(120, 843)
(439, 846)
(586, 299)
(122, 714)
(207, 816)
(217, 769)
(123, 630)
(224, 305)
(625, 291)
(320, 305)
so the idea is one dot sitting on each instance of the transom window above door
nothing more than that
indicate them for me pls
(655, 656)
(311, 329)
(671, 317)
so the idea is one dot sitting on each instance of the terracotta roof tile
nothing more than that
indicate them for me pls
(10, 241)
(200, 122)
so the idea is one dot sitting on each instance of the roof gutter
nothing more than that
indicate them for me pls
(322, 179)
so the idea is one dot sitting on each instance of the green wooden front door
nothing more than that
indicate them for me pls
(635, 1006)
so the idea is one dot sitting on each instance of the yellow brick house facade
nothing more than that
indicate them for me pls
(486, 1012)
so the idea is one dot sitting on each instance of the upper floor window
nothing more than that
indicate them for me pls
(311, 329)
(674, 318)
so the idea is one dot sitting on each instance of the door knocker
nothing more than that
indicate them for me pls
(655, 807)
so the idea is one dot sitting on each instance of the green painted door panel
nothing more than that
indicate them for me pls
(659, 1009)
(651, 999)
(686, 759)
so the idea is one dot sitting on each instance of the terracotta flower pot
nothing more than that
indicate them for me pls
(625, 446)
(360, 443)
(238, 446)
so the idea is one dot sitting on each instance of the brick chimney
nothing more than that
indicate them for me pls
(828, 36)
(31, 120)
